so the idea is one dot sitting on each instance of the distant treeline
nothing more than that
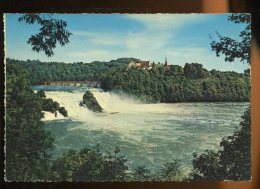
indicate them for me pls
(191, 83)
(38, 72)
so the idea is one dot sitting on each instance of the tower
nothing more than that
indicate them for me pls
(165, 63)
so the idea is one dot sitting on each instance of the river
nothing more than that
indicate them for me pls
(147, 134)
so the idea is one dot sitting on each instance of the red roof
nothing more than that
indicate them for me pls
(145, 63)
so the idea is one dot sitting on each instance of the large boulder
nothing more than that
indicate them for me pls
(90, 102)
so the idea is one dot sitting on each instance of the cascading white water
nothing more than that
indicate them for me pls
(120, 112)
(69, 100)
(148, 134)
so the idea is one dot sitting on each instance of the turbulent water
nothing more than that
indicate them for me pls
(148, 134)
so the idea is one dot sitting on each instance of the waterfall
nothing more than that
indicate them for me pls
(69, 100)
(148, 134)
(120, 111)
(114, 103)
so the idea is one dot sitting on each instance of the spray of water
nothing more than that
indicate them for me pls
(148, 133)
(121, 113)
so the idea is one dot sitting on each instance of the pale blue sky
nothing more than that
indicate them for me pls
(182, 38)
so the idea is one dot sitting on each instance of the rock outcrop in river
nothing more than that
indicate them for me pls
(90, 102)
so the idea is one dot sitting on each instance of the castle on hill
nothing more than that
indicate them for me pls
(146, 65)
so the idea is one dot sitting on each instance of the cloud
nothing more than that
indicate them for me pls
(203, 56)
(140, 44)
(146, 40)
(100, 38)
(167, 21)
(91, 55)
(188, 55)
(156, 40)
(147, 43)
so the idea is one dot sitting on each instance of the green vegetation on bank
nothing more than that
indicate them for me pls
(232, 161)
(94, 165)
(28, 145)
(189, 84)
(50, 105)
(192, 83)
(27, 142)
(38, 72)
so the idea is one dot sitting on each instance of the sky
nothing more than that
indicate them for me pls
(182, 38)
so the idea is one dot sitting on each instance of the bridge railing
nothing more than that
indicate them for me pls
(95, 84)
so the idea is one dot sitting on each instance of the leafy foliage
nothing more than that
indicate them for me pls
(90, 165)
(52, 31)
(39, 72)
(93, 165)
(26, 140)
(194, 71)
(232, 162)
(63, 111)
(141, 173)
(232, 48)
(50, 105)
(171, 171)
(194, 84)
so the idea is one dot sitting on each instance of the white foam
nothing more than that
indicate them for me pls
(48, 116)
(128, 115)
(155, 132)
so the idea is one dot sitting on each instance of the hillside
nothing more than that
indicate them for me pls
(191, 83)
(38, 72)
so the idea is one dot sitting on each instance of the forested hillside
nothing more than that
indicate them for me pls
(38, 72)
(191, 83)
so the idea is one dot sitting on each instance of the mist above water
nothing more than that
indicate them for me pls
(120, 113)
(148, 134)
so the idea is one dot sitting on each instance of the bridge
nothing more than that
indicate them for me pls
(85, 83)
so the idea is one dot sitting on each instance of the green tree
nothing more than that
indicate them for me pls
(52, 31)
(26, 140)
(63, 111)
(232, 162)
(90, 165)
(232, 48)
(27, 143)
(50, 105)
(141, 173)
(171, 171)
(193, 70)
(148, 85)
